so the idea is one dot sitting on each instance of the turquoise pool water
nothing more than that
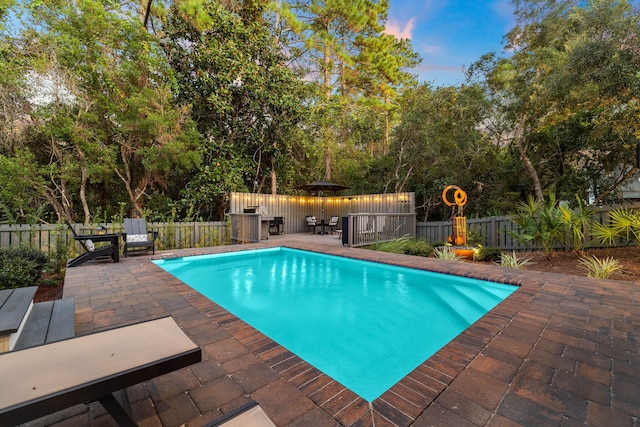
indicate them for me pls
(365, 324)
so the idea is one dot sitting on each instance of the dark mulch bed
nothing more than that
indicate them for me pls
(50, 288)
(569, 263)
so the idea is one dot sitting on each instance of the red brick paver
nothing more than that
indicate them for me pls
(562, 350)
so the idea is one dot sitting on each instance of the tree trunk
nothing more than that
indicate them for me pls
(83, 195)
(83, 187)
(274, 187)
(385, 142)
(615, 185)
(327, 94)
(134, 195)
(533, 174)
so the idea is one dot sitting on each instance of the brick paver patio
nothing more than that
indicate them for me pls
(561, 351)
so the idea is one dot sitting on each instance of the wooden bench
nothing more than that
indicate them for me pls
(14, 305)
(41, 380)
(48, 321)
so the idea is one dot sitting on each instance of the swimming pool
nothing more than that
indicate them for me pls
(365, 324)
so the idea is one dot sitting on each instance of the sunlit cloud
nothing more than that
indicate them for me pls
(433, 49)
(399, 30)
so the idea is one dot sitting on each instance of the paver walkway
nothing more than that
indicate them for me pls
(561, 351)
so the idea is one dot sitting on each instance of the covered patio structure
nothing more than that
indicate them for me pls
(371, 217)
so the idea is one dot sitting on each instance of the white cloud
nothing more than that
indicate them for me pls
(433, 49)
(400, 30)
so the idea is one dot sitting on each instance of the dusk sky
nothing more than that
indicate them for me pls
(450, 35)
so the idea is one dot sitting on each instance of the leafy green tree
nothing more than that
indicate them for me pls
(565, 97)
(440, 140)
(352, 67)
(118, 116)
(245, 101)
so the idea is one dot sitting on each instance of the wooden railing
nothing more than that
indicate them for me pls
(367, 228)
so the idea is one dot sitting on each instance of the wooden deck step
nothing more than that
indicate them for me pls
(48, 321)
(14, 305)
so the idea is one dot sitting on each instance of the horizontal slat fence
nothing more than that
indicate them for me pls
(170, 235)
(494, 230)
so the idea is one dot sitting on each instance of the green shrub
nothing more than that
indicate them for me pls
(59, 260)
(405, 245)
(577, 223)
(489, 254)
(20, 267)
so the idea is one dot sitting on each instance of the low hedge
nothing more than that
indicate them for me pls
(21, 267)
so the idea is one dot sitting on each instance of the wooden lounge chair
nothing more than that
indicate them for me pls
(41, 380)
(136, 238)
(91, 251)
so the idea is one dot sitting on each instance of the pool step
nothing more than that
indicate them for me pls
(462, 304)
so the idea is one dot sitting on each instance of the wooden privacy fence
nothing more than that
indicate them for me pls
(294, 208)
(494, 231)
(171, 235)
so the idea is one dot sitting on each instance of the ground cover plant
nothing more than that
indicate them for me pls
(405, 245)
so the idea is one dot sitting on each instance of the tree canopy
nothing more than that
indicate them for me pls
(162, 107)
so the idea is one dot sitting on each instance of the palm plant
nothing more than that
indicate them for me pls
(624, 224)
(539, 223)
(576, 223)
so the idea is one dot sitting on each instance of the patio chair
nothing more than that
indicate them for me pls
(136, 238)
(90, 250)
(333, 223)
(310, 222)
